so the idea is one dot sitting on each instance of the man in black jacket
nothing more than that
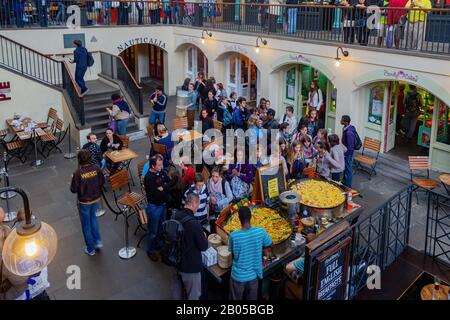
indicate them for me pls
(194, 241)
(87, 183)
(157, 186)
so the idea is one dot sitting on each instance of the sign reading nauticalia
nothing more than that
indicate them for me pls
(142, 40)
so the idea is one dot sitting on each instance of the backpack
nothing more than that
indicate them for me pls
(173, 232)
(90, 59)
(358, 142)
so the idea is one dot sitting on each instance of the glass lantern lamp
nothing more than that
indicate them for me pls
(31, 246)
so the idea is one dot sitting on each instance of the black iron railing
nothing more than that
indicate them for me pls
(115, 68)
(37, 66)
(379, 239)
(437, 243)
(411, 29)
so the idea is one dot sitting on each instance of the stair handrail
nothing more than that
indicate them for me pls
(67, 82)
(114, 75)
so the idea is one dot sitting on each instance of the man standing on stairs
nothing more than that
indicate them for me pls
(80, 57)
(158, 100)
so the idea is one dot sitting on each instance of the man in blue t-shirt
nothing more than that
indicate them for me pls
(159, 101)
(80, 57)
(246, 246)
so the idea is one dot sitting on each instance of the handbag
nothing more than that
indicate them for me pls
(113, 124)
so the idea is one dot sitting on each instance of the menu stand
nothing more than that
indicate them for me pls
(36, 162)
(126, 252)
(70, 154)
(9, 215)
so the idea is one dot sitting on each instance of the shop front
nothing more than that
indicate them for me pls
(195, 61)
(295, 89)
(385, 104)
(242, 77)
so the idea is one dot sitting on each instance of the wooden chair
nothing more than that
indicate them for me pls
(180, 123)
(125, 140)
(205, 174)
(140, 167)
(421, 163)
(369, 162)
(119, 181)
(52, 140)
(15, 149)
(53, 116)
(218, 125)
(161, 149)
(150, 132)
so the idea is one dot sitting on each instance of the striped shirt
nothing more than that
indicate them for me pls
(204, 200)
(246, 247)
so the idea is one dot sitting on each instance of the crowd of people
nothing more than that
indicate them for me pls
(394, 26)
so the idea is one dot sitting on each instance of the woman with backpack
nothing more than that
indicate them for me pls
(120, 113)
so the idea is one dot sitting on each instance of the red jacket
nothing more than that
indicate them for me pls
(188, 176)
(393, 15)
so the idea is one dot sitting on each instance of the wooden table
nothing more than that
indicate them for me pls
(190, 135)
(445, 179)
(120, 156)
(427, 292)
(27, 135)
(25, 122)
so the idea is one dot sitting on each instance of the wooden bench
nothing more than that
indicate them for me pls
(180, 123)
(421, 163)
(364, 161)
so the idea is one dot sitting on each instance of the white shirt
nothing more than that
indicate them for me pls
(292, 121)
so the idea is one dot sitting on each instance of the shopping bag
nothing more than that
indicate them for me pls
(113, 125)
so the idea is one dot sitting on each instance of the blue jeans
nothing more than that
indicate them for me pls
(79, 78)
(156, 215)
(122, 127)
(292, 20)
(410, 124)
(348, 172)
(176, 12)
(89, 225)
(336, 176)
(157, 116)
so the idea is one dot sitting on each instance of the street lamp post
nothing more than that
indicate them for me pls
(31, 246)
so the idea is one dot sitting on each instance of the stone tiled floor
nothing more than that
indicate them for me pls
(106, 276)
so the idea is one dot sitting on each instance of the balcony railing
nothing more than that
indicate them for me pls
(407, 29)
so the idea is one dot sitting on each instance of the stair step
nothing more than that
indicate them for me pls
(93, 97)
(106, 102)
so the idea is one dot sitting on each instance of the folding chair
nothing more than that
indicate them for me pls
(421, 163)
(118, 182)
(48, 125)
(180, 123)
(15, 149)
(125, 141)
(140, 167)
(150, 132)
(374, 146)
(162, 150)
(218, 125)
(52, 140)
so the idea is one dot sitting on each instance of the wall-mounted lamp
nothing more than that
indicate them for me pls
(264, 42)
(338, 60)
(209, 34)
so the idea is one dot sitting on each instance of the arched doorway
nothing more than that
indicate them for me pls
(195, 61)
(294, 91)
(384, 104)
(146, 63)
(242, 76)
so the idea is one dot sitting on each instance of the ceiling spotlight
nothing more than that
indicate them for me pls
(337, 63)
(264, 42)
(209, 34)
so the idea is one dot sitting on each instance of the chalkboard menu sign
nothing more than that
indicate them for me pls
(331, 272)
(270, 182)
